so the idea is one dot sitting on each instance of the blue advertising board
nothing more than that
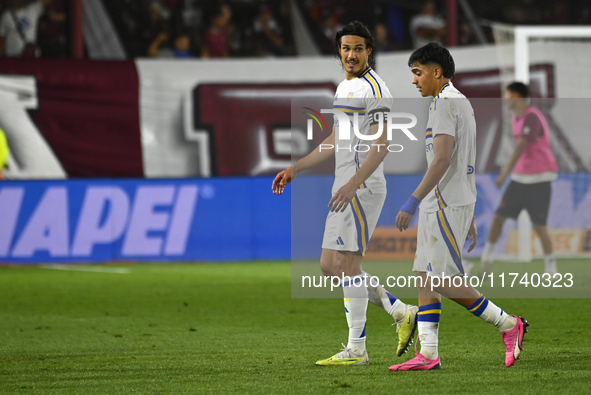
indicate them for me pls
(217, 219)
(143, 220)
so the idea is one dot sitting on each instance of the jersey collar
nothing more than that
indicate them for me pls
(443, 88)
(364, 72)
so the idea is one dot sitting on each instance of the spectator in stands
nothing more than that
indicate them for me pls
(244, 43)
(18, 27)
(153, 26)
(583, 16)
(51, 36)
(160, 42)
(330, 22)
(216, 41)
(467, 36)
(269, 33)
(382, 40)
(427, 26)
(283, 17)
(396, 25)
(181, 46)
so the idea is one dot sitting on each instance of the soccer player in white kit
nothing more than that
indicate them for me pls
(447, 195)
(358, 194)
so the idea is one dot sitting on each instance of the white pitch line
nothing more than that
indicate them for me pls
(98, 269)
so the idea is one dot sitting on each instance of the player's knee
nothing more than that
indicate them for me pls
(329, 271)
(328, 265)
(424, 282)
(346, 265)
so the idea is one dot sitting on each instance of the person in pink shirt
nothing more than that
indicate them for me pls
(532, 169)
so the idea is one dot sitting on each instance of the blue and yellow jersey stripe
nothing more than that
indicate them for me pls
(450, 240)
(438, 95)
(442, 89)
(361, 225)
(357, 167)
(440, 200)
(346, 108)
(429, 133)
(371, 79)
(364, 72)
(374, 78)
(349, 110)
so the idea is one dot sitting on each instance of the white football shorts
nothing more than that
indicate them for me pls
(440, 239)
(351, 230)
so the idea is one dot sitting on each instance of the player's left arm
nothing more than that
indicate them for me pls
(375, 156)
(443, 145)
(519, 148)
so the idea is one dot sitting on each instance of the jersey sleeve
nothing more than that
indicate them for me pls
(374, 107)
(532, 128)
(444, 117)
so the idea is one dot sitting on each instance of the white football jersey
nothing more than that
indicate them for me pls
(451, 113)
(365, 96)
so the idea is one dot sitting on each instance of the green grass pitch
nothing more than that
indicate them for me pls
(234, 328)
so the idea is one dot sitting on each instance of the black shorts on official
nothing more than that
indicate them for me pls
(535, 198)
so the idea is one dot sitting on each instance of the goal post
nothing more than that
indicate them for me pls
(524, 33)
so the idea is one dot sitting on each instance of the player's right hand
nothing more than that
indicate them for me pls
(500, 180)
(403, 220)
(282, 179)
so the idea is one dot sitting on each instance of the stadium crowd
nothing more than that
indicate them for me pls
(262, 28)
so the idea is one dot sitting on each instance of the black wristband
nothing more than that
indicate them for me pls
(378, 115)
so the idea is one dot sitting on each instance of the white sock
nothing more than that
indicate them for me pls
(375, 293)
(551, 266)
(356, 299)
(428, 336)
(429, 316)
(492, 314)
(488, 252)
(380, 297)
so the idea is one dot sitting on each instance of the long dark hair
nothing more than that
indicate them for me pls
(356, 28)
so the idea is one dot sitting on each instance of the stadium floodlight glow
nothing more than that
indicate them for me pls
(523, 34)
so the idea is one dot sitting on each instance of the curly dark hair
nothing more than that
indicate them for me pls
(434, 53)
(356, 28)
